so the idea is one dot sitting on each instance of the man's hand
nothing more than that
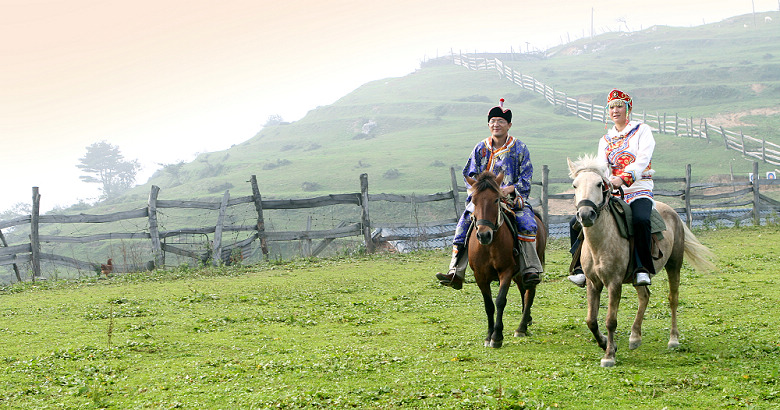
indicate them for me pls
(508, 190)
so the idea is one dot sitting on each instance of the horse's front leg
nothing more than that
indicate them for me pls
(528, 296)
(592, 318)
(635, 340)
(490, 309)
(614, 290)
(505, 280)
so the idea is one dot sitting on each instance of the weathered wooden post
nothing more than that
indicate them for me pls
(725, 139)
(676, 125)
(688, 213)
(35, 242)
(663, 129)
(260, 219)
(154, 233)
(742, 137)
(455, 193)
(16, 267)
(306, 244)
(545, 195)
(756, 196)
(216, 256)
(706, 131)
(366, 221)
(763, 150)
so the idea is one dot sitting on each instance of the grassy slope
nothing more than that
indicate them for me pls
(435, 115)
(319, 333)
(429, 120)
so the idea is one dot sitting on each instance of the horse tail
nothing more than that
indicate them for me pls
(699, 255)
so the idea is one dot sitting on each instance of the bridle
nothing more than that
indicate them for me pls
(499, 218)
(605, 192)
(493, 226)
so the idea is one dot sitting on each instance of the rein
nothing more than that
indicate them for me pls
(604, 196)
(493, 226)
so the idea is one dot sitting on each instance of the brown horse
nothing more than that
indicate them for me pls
(491, 256)
(605, 256)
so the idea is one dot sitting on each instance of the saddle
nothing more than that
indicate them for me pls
(621, 211)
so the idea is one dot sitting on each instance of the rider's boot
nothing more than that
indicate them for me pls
(577, 275)
(530, 264)
(457, 270)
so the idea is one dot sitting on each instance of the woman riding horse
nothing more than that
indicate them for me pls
(500, 154)
(627, 148)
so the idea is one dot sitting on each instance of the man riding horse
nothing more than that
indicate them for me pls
(499, 153)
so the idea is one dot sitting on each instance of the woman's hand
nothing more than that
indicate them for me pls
(616, 182)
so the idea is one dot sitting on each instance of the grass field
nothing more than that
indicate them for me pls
(379, 332)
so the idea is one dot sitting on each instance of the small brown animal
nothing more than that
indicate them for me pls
(107, 268)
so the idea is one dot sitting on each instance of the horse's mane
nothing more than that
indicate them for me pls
(588, 163)
(485, 180)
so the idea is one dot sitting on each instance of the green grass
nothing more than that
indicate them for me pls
(379, 332)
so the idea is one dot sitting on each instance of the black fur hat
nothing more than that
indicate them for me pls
(500, 111)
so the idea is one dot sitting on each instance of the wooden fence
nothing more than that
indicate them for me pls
(664, 123)
(691, 197)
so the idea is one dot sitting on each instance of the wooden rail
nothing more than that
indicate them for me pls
(691, 196)
(756, 148)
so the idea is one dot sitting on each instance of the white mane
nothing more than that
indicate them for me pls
(588, 163)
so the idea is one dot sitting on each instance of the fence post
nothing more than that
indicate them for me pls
(545, 195)
(553, 98)
(690, 128)
(260, 219)
(365, 220)
(455, 193)
(154, 233)
(306, 244)
(216, 255)
(676, 124)
(663, 129)
(16, 267)
(756, 196)
(725, 139)
(742, 137)
(763, 150)
(706, 131)
(688, 213)
(35, 242)
(591, 112)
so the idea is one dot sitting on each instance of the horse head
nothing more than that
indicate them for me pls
(486, 198)
(591, 188)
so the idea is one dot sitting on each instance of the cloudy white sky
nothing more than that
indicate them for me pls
(166, 79)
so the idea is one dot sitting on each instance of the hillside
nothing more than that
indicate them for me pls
(406, 132)
(421, 124)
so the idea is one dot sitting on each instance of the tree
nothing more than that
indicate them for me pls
(109, 168)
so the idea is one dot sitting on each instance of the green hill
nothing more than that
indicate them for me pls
(406, 132)
(430, 119)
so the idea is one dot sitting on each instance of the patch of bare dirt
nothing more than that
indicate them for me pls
(735, 119)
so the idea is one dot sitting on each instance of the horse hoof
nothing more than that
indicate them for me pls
(496, 344)
(633, 344)
(673, 344)
(520, 334)
(607, 362)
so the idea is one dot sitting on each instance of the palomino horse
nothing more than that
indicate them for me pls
(491, 255)
(605, 256)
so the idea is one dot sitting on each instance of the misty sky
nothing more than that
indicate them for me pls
(166, 79)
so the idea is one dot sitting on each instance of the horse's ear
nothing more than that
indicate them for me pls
(500, 178)
(471, 181)
(571, 167)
